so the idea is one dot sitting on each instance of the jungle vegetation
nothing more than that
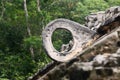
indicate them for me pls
(21, 24)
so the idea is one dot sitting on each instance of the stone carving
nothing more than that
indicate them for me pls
(81, 35)
(101, 59)
(96, 20)
(96, 24)
(97, 58)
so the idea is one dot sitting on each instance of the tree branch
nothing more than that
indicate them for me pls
(28, 28)
(3, 10)
(38, 5)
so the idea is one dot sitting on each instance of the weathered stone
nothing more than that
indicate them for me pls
(80, 33)
(84, 70)
(102, 17)
(99, 61)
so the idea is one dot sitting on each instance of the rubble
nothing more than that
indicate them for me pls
(94, 21)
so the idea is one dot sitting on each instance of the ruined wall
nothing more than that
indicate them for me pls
(99, 61)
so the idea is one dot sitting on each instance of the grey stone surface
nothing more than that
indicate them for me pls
(99, 61)
(103, 17)
(80, 33)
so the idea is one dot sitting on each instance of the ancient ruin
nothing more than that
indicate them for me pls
(95, 52)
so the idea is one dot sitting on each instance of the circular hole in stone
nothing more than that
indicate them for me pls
(62, 40)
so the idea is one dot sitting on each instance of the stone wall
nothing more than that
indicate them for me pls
(99, 61)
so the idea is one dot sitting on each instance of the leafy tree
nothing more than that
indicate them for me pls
(113, 2)
(15, 59)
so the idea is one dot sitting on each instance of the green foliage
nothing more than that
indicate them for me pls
(13, 66)
(80, 12)
(61, 36)
(11, 37)
(15, 59)
(113, 2)
(96, 5)
(34, 41)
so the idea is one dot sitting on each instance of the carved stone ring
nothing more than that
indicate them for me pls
(80, 34)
